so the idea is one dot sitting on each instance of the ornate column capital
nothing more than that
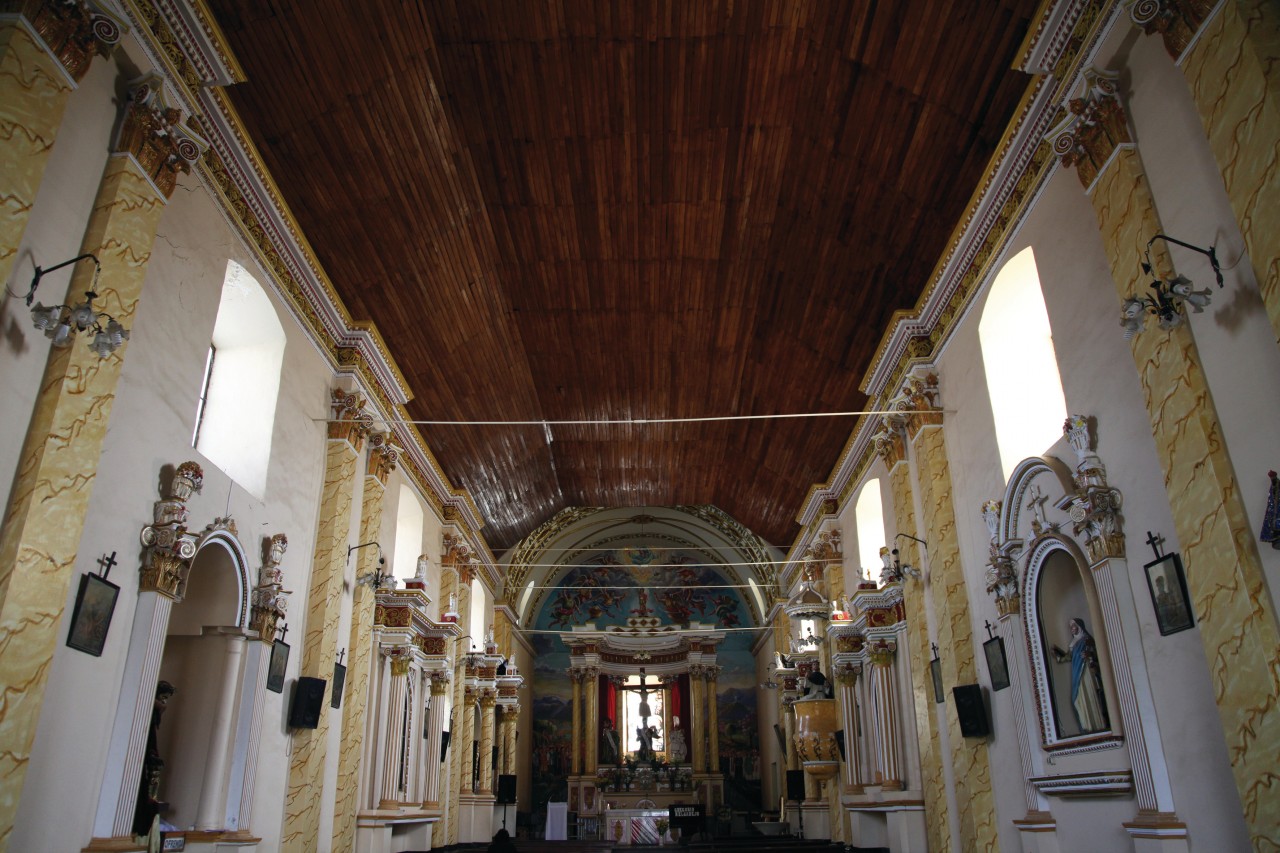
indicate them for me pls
(848, 673)
(1095, 508)
(74, 32)
(167, 546)
(881, 652)
(350, 422)
(156, 135)
(383, 457)
(1001, 575)
(889, 443)
(401, 658)
(1177, 21)
(488, 699)
(1095, 128)
(440, 682)
(270, 599)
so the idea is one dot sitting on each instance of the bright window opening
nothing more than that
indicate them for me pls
(238, 410)
(869, 517)
(479, 624)
(1021, 365)
(404, 563)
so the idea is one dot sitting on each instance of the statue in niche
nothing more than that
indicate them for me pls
(149, 805)
(1087, 700)
(676, 748)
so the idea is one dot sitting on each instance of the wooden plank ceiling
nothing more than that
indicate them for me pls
(584, 209)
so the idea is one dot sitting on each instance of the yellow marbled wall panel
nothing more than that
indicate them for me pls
(969, 759)
(359, 658)
(324, 598)
(1224, 573)
(56, 471)
(1234, 74)
(33, 96)
(934, 786)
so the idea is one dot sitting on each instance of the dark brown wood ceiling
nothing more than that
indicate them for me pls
(591, 209)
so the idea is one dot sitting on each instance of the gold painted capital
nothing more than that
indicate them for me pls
(157, 136)
(350, 422)
(1176, 21)
(881, 653)
(439, 683)
(383, 456)
(74, 32)
(1096, 127)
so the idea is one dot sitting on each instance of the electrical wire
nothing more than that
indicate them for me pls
(646, 421)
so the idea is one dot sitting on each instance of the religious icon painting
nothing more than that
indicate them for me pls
(95, 603)
(997, 663)
(1169, 594)
(279, 662)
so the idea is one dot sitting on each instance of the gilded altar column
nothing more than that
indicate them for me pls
(713, 720)
(45, 50)
(698, 717)
(347, 430)
(889, 729)
(44, 520)
(1233, 70)
(488, 701)
(970, 762)
(591, 723)
(1237, 622)
(435, 732)
(381, 461)
(575, 746)
(392, 781)
(890, 444)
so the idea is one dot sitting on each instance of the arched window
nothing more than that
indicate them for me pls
(868, 514)
(408, 534)
(1021, 365)
(237, 409)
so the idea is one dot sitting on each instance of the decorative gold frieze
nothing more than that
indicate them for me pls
(350, 422)
(74, 32)
(1096, 127)
(154, 133)
(1177, 21)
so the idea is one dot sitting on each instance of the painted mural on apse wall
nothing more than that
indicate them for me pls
(608, 590)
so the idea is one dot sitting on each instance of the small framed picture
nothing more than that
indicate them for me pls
(279, 662)
(935, 668)
(339, 680)
(95, 603)
(1169, 594)
(997, 663)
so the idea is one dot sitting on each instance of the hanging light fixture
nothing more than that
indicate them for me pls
(61, 323)
(1168, 295)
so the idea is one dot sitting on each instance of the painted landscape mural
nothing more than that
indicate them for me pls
(608, 590)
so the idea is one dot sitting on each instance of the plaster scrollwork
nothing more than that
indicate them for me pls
(881, 652)
(848, 674)
(349, 421)
(401, 658)
(1095, 128)
(440, 682)
(1176, 21)
(75, 32)
(383, 456)
(167, 545)
(270, 599)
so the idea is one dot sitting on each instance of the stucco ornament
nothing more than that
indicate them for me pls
(1095, 508)
(167, 545)
(270, 600)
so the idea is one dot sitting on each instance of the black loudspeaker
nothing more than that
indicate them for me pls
(971, 710)
(795, 785)
(506, 788)
(444, 744)
(308, 696)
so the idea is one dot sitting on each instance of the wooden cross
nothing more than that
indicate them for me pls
(284, 629)
(107, 564)
(990, 634)
(341, 654)
(935, 650)
(1155, 541)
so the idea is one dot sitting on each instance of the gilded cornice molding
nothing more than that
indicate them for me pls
(1065, 36)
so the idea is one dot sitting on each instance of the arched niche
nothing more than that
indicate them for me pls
(204, 659)
(1058, 588)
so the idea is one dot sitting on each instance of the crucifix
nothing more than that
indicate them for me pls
(341, 655)
(107, 564)
(284, 629)
(1155, 542)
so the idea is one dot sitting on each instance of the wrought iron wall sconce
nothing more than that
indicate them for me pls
(60, 323)
(1168, 295)
(377, 577)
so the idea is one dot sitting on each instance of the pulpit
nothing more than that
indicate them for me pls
(817, 721)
